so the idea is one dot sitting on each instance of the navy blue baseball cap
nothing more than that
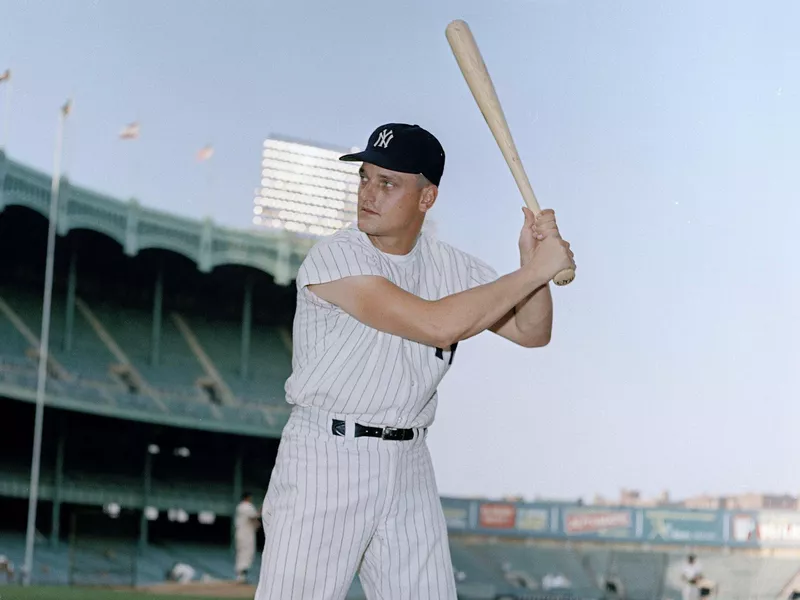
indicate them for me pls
(403, 148)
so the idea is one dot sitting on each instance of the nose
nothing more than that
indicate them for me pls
(366, 193)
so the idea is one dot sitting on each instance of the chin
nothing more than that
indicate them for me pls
(368, 225)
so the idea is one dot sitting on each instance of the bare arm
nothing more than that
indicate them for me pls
(530, 322)
(377, 302)
(386, 307)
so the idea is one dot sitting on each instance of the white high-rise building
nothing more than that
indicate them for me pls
(305, 188)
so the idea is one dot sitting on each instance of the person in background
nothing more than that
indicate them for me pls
(691, 577)
(7, 567)
(181, 572)
(247, 523)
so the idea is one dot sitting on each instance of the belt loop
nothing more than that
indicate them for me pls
(349, 428)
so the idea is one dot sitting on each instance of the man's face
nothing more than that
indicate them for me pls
(388, 202)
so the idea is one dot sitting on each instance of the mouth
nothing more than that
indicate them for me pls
(368, 211)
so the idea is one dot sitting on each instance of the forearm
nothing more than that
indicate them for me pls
(534, 314)
(468, 313)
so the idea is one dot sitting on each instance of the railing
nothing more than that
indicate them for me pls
(18, 377)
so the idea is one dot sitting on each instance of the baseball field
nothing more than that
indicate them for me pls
(216, 591)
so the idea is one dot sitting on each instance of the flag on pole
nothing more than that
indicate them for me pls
(130, 131)
(67, 108)
(205, 153)
(6, 76)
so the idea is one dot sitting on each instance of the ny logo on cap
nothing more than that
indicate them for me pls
(384, 137)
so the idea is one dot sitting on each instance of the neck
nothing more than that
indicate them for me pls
(396, 244)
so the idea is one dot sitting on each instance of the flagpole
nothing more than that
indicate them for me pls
(136, 190)
(6, 114)
(44, 347)
(130, 135)
(210, 183)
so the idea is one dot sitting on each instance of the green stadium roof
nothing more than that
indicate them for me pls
(136, 228)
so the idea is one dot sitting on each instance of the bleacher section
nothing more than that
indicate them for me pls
(484, 569)
(174, 381)
(270, 360)
(515, 566)
(110, 562)
(177, 370)
(640, 573)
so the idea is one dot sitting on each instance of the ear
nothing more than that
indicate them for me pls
(427, 197)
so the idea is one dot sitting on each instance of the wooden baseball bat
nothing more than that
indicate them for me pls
(480, 84)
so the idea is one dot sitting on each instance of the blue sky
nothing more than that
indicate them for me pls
(664, 134)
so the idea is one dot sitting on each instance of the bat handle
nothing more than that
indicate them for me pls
(566, 276)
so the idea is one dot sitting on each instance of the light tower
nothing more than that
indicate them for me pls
(305, 188)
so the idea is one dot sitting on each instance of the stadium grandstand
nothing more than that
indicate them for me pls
(170, 344)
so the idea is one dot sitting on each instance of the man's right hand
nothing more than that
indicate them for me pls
(552, 255)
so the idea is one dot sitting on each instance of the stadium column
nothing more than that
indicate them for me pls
(59, 482)
(158, 301)
(72, 284)
(147, 483)
(247, 321)
(237, 491)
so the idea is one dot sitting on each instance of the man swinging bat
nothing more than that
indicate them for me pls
(381, 309)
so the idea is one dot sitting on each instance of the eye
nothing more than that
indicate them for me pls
(388, 184)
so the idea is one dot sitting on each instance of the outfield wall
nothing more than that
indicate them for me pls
(667, 526)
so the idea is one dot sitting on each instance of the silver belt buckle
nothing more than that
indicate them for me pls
(388, 431)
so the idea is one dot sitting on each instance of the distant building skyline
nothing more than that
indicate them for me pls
(745, 501)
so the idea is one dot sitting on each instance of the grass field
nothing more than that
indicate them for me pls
(74, 593)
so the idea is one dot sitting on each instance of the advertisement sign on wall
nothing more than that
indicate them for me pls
(497, 515)
(587, 522)
(682, 526)
(456, 513)
(744, 528)
(533, 519)
(767, 528)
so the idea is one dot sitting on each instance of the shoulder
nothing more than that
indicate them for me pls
(348, 244)
(458, 260)
(350, 235)
(345, 253)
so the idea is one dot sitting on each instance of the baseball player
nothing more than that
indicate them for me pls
(181, 572)
(7, 568)
(381, 309)
(246, 524)
(691, 576)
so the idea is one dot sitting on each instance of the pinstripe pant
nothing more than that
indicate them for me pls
(341, 505)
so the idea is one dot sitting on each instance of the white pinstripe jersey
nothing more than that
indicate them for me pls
(344, 367)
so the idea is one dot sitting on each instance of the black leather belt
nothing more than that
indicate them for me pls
(385, 433)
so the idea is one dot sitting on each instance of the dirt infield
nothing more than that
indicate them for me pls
(216, 589)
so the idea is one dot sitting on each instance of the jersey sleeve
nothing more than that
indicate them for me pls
(480, 273)
(330, 261)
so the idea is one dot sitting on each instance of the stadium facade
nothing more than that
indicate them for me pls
(170, 345)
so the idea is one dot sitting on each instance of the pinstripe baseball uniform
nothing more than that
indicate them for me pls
(338, 504)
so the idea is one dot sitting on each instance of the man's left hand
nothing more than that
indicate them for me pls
(536, 228)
